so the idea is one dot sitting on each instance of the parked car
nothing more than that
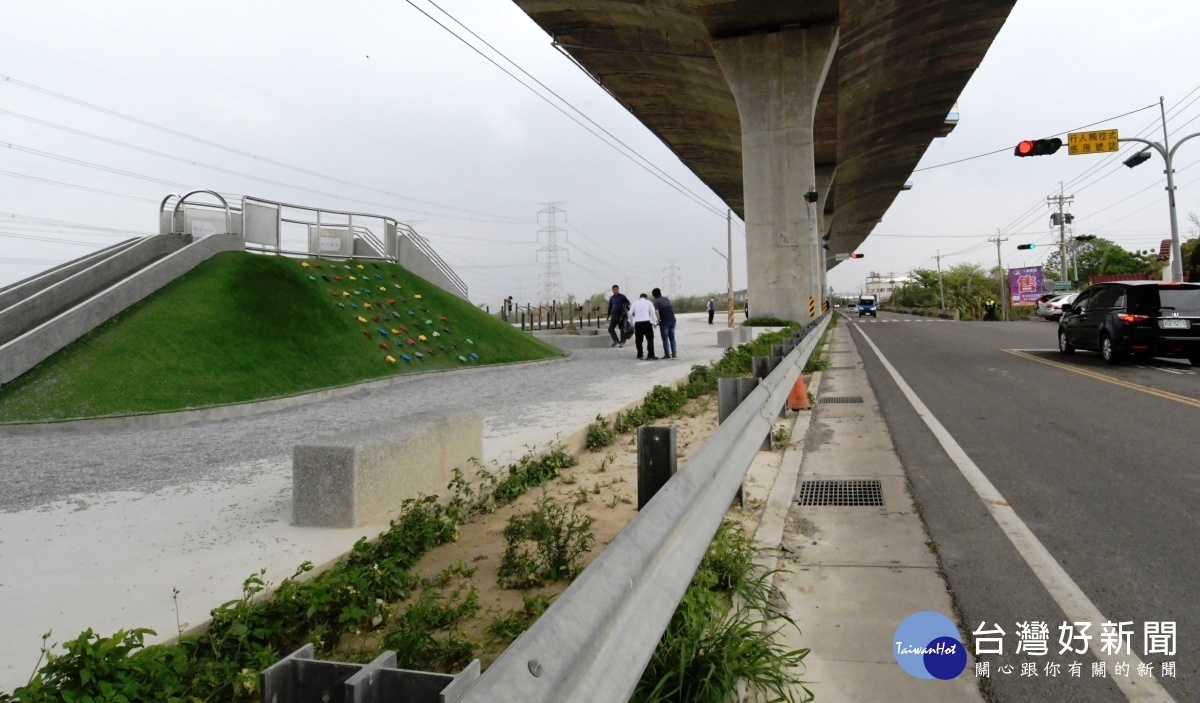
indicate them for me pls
(1051, 307)
(1142, 318)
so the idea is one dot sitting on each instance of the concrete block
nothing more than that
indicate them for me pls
(734, 336)
(363, 478)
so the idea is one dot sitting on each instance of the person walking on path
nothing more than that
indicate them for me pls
(712, 309)
(666, 323)
(618, 307)
(644, 317)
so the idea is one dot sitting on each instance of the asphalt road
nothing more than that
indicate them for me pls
(1099, 461)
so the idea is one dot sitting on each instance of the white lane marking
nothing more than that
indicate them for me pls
(1159, 368)
(1074, 603)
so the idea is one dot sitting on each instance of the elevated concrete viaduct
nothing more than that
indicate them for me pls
(764, 99)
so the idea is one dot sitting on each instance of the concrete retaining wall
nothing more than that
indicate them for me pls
(415, 261)
(14, 293)
(359, 479)
(44, 305)
(33, 347)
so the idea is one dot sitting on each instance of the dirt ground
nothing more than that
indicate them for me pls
(602, 486)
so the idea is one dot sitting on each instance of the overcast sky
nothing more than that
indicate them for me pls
(375, 94)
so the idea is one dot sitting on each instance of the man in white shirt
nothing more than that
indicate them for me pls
(644, 317)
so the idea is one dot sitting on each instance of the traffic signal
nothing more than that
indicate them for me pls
(1027, 246)
(856, 256)
(1038, 147)
(1137, 159)
(1085, 237)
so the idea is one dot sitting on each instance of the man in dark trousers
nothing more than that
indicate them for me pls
(666, 323)
(618, 308)
(645, 317)
(712, 309)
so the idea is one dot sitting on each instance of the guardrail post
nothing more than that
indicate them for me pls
(730, 394)
(657, 460)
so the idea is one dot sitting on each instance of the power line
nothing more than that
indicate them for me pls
(75, 186)
(564, 112)
(566, 102)
(222, 147)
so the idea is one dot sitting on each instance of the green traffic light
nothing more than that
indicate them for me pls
(1027, 246)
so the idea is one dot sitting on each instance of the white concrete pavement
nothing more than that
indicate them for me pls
(855, 573)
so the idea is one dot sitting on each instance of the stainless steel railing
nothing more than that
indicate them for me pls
(261, 222)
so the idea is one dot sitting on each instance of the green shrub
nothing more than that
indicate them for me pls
(714, 640)
(544, 545)
(508, 626)
(767, 322)
(600, 434)
(530, 472)
(426, 637)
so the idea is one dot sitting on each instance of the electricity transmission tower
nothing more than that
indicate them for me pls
(671, 273)
(551, 277)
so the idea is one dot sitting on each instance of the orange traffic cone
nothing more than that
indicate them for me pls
(798, 398)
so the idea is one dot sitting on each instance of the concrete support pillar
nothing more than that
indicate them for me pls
(776, 79)
(825, 176)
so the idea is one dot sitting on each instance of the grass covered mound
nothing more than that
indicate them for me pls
(242, 327)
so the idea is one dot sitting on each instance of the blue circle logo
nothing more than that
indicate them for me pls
(927, 646)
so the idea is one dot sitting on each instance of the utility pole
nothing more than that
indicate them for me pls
(729, 262)
(941, 290)
(1000, 273)
(1062, 227)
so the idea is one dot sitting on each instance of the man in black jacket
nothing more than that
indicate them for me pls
(618, 308)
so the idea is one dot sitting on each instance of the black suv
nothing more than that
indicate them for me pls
(1142, 318)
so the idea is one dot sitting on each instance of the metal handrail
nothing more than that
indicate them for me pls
(365, 233)
(182, 200)
(423, 245)
(595, 640)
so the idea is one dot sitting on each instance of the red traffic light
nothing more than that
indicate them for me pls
(856, 256)
(1038, 147)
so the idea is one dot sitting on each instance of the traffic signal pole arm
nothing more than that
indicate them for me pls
(1168, 157)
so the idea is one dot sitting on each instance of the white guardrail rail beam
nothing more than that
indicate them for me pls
(596, 639)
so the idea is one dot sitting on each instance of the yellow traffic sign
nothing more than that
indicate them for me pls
(1092, 142)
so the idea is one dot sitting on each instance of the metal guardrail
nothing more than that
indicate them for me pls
(596, 639)
(322, 219)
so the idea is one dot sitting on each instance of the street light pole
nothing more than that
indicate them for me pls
(729, 261)
(1168, 154)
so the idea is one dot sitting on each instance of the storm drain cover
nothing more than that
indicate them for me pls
(841, 493)
(841, 399)
(842, 368)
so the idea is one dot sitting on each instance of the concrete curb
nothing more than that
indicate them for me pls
(238, 410)
(779, 502)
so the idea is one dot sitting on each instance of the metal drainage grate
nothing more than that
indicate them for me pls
(842, 368)
(841, 493)
(840, 399)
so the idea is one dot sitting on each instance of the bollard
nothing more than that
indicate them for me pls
(657, 460)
